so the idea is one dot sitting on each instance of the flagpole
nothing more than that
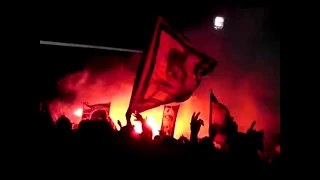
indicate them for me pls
(52, 43)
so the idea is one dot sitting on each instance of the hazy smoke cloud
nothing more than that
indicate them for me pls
(246, 79)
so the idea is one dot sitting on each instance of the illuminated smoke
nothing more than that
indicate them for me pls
(245, 80)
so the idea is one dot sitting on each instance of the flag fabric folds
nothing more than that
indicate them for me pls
(169, 118)
(218, 111)
(170, 70)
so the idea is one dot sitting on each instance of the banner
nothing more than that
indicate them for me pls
(170, 70)
(97, 112)
(218, 111)
(169, 119)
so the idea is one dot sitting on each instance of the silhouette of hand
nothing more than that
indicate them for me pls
(196, 123)
(128, 118)
(119, 123)
(183, 139)
(138, 116)
(251, 129)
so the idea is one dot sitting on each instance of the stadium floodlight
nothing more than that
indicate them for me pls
(218, 22)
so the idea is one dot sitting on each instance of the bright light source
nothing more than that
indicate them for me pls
(78, 112)
(218, 22)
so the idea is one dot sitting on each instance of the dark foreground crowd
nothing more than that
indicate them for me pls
(96, 144)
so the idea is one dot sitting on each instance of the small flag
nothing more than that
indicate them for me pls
(218, 111)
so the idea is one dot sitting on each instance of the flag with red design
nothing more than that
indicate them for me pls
(170, 70)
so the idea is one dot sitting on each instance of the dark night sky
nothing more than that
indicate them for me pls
(126, 27)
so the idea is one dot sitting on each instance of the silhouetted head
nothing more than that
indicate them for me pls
(206, 142)
(99, 115)
(64, 124)
(157, 139)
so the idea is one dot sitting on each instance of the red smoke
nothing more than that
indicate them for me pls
(245, 80)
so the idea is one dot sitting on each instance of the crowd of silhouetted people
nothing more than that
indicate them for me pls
(97, 140)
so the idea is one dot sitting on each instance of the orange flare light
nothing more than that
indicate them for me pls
(78, 112)
(137, 125)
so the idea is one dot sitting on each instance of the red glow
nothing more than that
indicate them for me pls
(244, 108)
(137, 125)
(244, 81)
(78, 112)
(277, 148)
